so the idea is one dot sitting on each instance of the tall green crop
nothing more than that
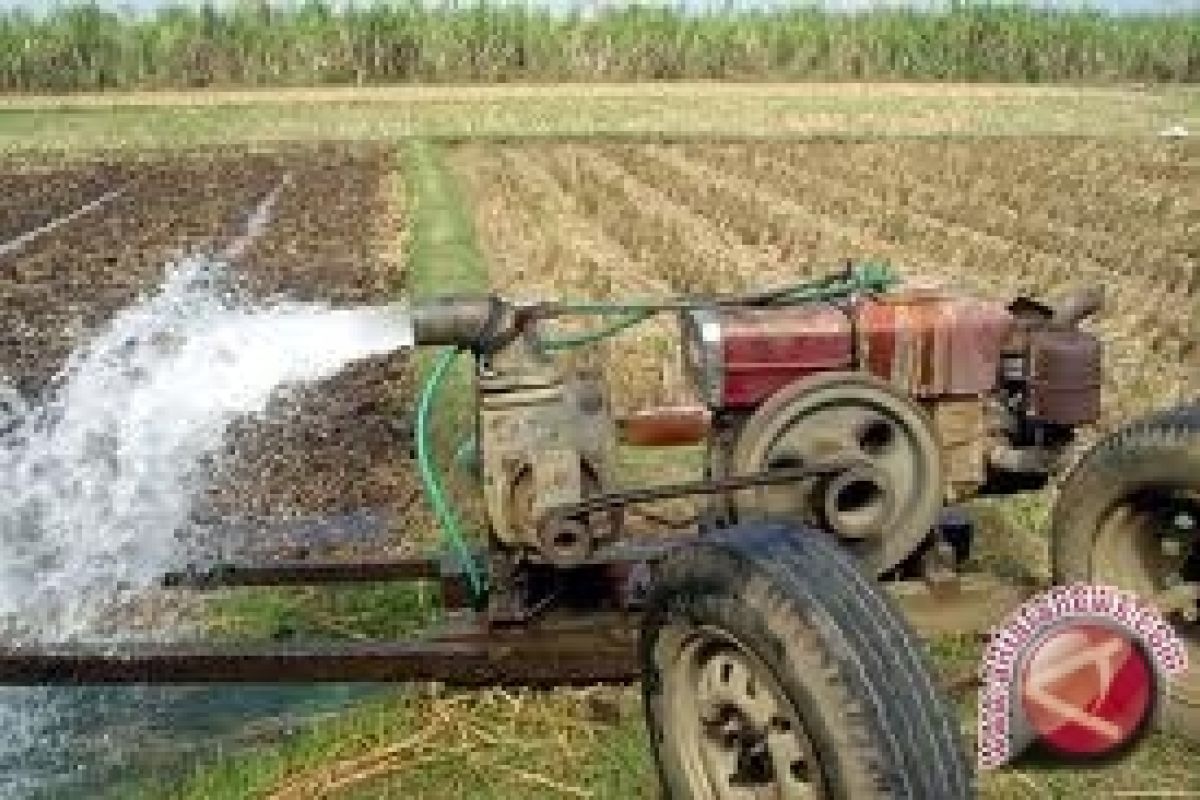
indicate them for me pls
(252, 43)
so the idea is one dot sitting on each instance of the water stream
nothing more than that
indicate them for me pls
(99, 479)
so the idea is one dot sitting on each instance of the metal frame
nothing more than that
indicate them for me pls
(545, 623)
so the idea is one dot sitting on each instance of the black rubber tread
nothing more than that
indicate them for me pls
(1161, 450)
(836, 643)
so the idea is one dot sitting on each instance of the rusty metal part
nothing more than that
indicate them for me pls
(1024, 460)
(481, 323)
(302, 572)
(651, 494)
(565, 542)
(667, 426)
(847, 416)
(614, 578)
(932, 345)
(580, 648)
(600, 648)
(857, 503)
(585, 537)
(452, 583)
(1077, 306)
(1065, 377)
(546, 441)
(960, 424)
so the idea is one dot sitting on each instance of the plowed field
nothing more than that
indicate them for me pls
(329, 235)
(1001, 217)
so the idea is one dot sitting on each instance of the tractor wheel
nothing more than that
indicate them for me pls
(1129, 516)
(774, 666)
(885, 512)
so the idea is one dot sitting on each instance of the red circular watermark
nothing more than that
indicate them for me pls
(1087, 689)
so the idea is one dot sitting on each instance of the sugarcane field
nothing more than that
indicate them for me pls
(599, 401)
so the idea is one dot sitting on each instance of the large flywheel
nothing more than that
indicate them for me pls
(886, 508)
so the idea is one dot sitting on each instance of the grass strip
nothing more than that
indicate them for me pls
(649, 111)
(443, 258)
(492, 745)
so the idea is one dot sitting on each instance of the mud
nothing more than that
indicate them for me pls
(331, 238)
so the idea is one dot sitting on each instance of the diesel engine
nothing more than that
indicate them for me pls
(935, 397)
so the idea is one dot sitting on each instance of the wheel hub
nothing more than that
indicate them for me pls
(1149, 543)
(1179, 578)
(746, 742)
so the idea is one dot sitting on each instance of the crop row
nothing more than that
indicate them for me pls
(702, 218)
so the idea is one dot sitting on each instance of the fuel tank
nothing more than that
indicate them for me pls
(739, 357)
(926, 343)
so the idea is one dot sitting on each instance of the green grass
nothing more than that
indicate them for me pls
(492, 746)
(179, 120)
(304, 614)
(443, 257)
(80, 47)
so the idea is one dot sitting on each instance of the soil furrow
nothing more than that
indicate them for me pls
(1158, 250)
(1111, 233)
(547, 244)
(1135, 333)
(694, 254)
(327, 237)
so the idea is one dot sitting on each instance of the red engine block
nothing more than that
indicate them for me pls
(928, 345)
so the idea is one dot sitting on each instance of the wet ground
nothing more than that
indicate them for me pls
(78, 243)
(328, 235)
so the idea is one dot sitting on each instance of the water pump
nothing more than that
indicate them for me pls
(934, 397)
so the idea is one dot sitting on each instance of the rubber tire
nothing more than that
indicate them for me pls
(835, 643)
(828, 387)
(1160, 450)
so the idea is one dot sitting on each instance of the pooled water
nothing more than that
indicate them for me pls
(98, 478)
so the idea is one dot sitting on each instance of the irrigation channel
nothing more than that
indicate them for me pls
(115, 441)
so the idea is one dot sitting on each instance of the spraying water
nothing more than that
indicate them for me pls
(98, 480)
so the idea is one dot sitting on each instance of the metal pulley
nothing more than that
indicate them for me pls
(887, 506)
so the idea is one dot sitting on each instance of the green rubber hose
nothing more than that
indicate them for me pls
(432, 482)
